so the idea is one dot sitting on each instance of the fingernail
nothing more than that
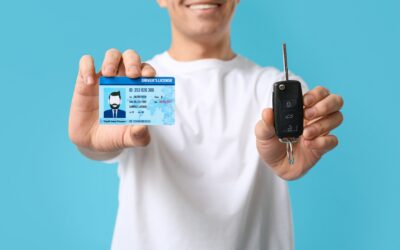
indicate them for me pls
(110, 69)
(310, 113)
(308, 99)
(89, 80)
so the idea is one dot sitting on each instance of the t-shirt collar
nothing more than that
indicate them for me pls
(196, 65)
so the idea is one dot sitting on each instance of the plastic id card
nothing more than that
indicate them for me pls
(144, 100)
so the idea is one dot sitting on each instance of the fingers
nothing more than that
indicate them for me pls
(323, 126)
(132, 63)
(87, 71)
(326, 106)
(86, 79)
(111, 63)
(134, 67)
(136, 136)
(315, 95)
(265, 127)
(322, 143)
(129, 64)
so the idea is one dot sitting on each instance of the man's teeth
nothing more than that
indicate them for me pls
(203, 6)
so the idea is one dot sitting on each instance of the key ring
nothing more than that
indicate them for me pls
(289, 148)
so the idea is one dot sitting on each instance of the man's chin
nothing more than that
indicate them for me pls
(205, 29)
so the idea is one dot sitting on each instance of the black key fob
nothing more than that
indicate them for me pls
(287, 104)
(287, 99)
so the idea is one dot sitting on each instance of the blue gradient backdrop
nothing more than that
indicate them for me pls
(53, 198)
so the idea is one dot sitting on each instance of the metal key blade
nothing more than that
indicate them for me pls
(285, 64)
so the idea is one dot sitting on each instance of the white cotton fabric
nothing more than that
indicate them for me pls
(200, 183)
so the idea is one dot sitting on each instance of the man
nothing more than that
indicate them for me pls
(216, 179)
(114, 100)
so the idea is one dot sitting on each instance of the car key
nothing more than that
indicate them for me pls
(287, 99)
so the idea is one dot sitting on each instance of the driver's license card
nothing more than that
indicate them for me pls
(143, 100)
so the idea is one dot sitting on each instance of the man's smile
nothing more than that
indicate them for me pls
(204, 6)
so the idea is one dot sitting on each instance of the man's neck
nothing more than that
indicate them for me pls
(188, 49)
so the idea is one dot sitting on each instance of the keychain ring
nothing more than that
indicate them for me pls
(289, 152)
(289, 148)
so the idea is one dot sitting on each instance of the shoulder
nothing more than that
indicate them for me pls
(265, 72)
(258, 73)
(263, 79)
(156, 59)
(268, 75)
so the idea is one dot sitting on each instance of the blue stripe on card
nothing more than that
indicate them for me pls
(122, 80)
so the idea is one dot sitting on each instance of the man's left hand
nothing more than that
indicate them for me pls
(321, 115)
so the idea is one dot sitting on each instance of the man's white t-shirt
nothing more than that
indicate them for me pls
(200, 183)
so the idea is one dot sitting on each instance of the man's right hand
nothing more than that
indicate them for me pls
(84, 128)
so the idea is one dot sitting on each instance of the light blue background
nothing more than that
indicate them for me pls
(53, 198)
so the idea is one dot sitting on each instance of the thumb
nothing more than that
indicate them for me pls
(268, 145)
(136, 135)
(265, 129)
